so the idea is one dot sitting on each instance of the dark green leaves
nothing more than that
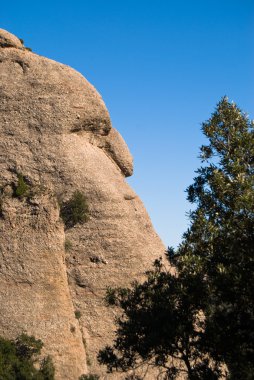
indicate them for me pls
(204, 315)
(19, 359)
(22, 188)
(75, 210)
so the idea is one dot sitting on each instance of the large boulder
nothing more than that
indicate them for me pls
(56, 137)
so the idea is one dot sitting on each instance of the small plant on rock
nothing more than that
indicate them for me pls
(75, 210)
(78, 314)
(68, 245)
(22, 189)
(23, 43)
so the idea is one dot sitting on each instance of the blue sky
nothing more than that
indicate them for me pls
(161, 67)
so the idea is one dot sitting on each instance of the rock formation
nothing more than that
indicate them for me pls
(56, 134)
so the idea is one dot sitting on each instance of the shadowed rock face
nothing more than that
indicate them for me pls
(55, 130)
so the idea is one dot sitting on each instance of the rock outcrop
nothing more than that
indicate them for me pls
(55, 132)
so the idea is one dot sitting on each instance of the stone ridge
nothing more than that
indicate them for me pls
(56, 132)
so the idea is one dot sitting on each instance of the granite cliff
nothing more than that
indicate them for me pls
(56, 133)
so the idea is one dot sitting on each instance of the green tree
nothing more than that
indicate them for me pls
(18, 358)
(221, 237)
(160, 327)
(203, 316)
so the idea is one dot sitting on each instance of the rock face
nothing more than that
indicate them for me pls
(55, 131)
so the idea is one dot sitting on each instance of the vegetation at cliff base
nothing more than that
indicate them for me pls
(19, 359)
(203, 317)
(89, 377)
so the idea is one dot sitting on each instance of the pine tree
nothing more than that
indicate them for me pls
(203, 316)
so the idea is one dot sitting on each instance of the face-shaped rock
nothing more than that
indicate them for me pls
(55, 130)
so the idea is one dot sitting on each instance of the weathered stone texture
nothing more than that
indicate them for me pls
(55, 130)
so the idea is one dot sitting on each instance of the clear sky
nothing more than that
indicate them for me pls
(161, 67)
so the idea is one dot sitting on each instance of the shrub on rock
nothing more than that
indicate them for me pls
(75, 210)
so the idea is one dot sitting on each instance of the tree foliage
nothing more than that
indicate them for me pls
(19, 359)
(203, 316)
